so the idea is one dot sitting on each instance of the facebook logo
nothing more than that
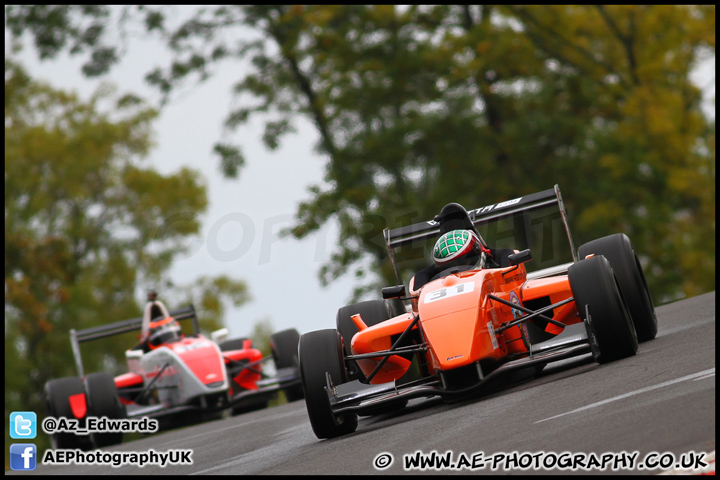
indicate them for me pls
(23, 425)
(23, 456)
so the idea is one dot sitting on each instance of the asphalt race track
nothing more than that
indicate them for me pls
(659, 404)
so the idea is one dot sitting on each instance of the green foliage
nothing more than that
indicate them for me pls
(418, 106)
(414, 106)
(231, 159)
(79, 29)
(261, 332)
(422, 105)
(84, 223)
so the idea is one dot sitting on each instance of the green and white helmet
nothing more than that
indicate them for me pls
(458, 247)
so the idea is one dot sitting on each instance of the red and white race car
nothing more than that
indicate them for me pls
(172, 377)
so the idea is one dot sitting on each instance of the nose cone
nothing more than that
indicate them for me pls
(203, 360)
(454, 323)
(451, 338)
(449, 294)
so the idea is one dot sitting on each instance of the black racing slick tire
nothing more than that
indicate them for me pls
(103, 401)
(619, 251)
(284, 347)
(372, 313)
(320, 352)
(57, 394)
(595, 289)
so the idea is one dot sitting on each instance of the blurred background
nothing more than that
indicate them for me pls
(246, 159)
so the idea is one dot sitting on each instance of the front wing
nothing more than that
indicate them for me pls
(267, 389)
(358, 397)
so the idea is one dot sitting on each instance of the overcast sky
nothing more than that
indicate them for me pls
(239, 230)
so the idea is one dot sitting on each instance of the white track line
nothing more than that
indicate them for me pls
(704, 373)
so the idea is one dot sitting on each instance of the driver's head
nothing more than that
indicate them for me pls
(163, 331)
(458, 247)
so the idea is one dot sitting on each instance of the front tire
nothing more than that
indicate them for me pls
(104, 401)
(57, 394)
(593, 285)
(619, 251)
(320, 352)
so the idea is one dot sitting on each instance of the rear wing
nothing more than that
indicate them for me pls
(116, 328)
(480, 216)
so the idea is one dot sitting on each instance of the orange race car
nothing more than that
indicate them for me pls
(477, 312)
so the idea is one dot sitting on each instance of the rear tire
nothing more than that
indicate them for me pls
(104, 401)
(321, 352)
(619, 251)
(57, 393)
(284, 346)
(593, 284)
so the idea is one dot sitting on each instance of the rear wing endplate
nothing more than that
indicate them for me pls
(431, 228)
(116, 328)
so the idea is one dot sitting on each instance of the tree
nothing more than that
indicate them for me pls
(85, 225)
(647, 163)
(261, 332)
(418, 106)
